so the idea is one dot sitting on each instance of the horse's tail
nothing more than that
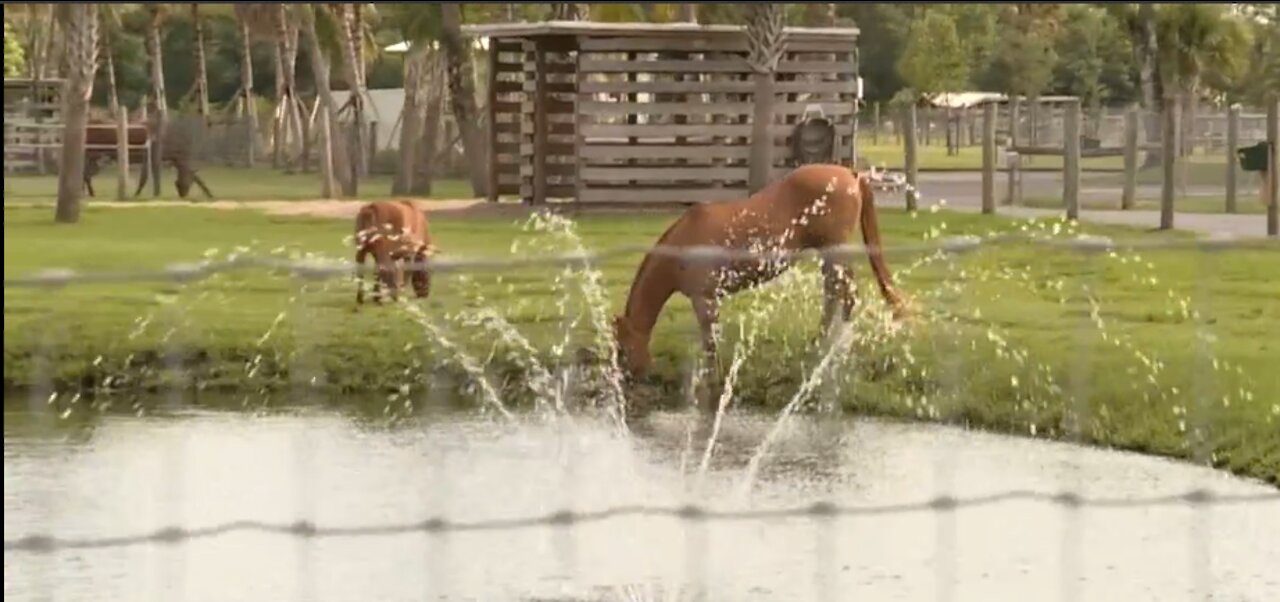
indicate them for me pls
(871, 238)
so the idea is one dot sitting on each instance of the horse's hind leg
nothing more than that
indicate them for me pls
(420, 275)
(142, 180)
(839, 293)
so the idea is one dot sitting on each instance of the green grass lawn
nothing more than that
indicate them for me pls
(226, 183)
(1005, 338)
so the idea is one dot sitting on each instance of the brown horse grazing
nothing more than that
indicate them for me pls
(814, 206)
(100, 142)
(393, 231)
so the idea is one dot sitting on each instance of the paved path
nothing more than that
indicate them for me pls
(962, 191)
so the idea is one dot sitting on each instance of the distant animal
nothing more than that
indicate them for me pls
(393, 232)
(100, 148)
(814, 206)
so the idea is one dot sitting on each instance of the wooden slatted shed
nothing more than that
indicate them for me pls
(631, 112)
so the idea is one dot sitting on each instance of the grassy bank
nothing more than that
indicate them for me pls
(1006, 339)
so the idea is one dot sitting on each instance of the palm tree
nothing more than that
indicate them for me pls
(419, 25)
(1197, 40)
(109, 25)
(245, 14)
(159, 98)
(765, 43)
(80, 27)
(349, 40)
(201, 84)
(463, 94)
(570, 11)
(819, 14)
(334, 167)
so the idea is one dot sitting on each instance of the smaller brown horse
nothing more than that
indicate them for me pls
(813, 207)
(393, 232)
(100, 148)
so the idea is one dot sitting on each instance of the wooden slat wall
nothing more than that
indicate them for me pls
(686, 135)
(509, 96)
(547, 120)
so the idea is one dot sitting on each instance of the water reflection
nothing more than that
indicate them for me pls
(127, 475)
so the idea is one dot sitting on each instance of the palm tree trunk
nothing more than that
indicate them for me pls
(294, 131)
(431, 128)
(570, 11)
(348, 39)
(411, 117)
(819, 14)
(81, 32)
(462, 92)
(113, 90)
(202, 74)
(765, 44)
(333, 158)
(279, 118)
(246, 91)
(1149, 76)
(159, 97)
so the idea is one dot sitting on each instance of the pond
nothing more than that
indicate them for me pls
(119, 476)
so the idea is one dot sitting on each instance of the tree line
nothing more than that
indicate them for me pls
(203, 58)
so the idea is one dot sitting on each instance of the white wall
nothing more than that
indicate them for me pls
(389, 103)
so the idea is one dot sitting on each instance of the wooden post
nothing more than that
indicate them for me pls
(1271, 185)
(989, 158)
(122, 154)
(1172, 117)
(1128, 194)
(1233, 141)
(1071, 159)
(491, 110)
(875, 123)
(1014, 104)
(540, 124)
(373, 144)
(909, 138)
(1012, 194)
(580, 118)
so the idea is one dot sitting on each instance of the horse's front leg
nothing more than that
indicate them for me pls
(839, 293)
(707, 311)
(361, 255)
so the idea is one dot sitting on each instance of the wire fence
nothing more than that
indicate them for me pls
(1199, 500)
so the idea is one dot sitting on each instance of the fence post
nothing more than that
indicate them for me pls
(1169, 160)
(1128, 194)
(1071, 159)
(989, 157)
(1271, 184)
(875, 123)
(122, 153)
(373, 143)
(1233, 141)
(909, 138)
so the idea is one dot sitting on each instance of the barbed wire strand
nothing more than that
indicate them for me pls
(317, 269)
(687, 513)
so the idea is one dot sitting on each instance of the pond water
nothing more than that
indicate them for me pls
(126, 475)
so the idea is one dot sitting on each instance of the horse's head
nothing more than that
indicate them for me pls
(632, 351)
